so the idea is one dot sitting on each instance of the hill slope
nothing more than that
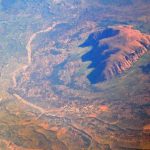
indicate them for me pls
(114, 50)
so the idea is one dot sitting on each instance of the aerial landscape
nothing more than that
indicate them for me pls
(74, 74)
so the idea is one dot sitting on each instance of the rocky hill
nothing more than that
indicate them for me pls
(114, 50)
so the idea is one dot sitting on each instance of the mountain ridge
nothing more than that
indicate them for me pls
(114, 50)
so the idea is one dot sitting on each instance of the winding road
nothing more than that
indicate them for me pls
(24, 67)
(29, 51)
(34, 35)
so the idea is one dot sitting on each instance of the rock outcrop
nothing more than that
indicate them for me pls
(114, 50)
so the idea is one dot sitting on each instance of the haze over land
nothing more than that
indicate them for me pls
(74, 74)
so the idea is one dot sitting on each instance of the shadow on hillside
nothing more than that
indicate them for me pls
(96, 54)
(146, 69)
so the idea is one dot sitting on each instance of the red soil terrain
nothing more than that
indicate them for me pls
(131, 45)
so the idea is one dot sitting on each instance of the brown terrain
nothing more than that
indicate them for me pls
(132, 44)
(99, 119)
(74, 75)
